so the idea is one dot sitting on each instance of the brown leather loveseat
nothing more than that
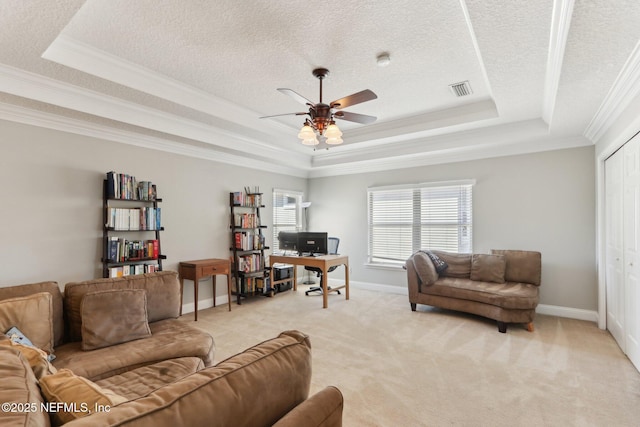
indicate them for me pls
(502, 286)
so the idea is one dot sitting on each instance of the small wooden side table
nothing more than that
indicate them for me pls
(198, 269)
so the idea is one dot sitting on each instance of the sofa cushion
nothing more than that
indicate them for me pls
(163, 296)
(522, 296)
(146, 379)
(113, 317)
(56, 301)
(19, 385)
(459, 264)
(33, 315)
(425, 268)
(254, 388)
(36, 358)
(78, 395)
(487, 268)
(169, 339)
(521, 266)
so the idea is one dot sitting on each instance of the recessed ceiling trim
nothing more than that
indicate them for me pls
(510, 132)
(476, 47)
(480, 152)
(416, 126)
(86, 58)
(560, 24)
(43, 89)
(624, 89)
(31, 117)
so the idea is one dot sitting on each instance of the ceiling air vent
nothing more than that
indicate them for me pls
(461, 89)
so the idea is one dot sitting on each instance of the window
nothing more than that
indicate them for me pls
(286, 213)
(404, 219)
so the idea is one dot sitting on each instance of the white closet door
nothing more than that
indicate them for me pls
(614, 247)
(632, 249)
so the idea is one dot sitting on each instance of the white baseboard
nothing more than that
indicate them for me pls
(389, 289)
(551, 310)
(571, 313)
(204, 303)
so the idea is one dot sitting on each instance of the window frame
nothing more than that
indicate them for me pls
(417, 193)
(298, 197)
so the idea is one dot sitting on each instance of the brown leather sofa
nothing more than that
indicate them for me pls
(502, 286)
(135, 372)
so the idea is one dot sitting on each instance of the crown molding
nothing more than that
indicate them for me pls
(625, 88)
(560, 24)
(32, 86)
(32, 117)
(452, 155)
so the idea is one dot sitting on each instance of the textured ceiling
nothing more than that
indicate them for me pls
(193, 77)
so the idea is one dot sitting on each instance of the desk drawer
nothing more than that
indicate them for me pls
(209, 270)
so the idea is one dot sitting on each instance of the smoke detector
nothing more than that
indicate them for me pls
(461, 88)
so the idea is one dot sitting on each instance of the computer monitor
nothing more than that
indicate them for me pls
(288, 240)
(311, 242)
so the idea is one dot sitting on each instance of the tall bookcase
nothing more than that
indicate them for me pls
(248, 245)
(131, 227)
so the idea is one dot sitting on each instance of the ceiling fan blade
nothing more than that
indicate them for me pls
(354, 117)
(295, 95)
(285, 114)
(356, 98)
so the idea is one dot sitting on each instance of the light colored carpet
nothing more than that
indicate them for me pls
(434, 367)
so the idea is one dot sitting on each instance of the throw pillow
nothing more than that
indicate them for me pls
(438, 262)
(33, 315)
(459, 265)
(487, 268)
(522, 266)
(113, 317)
(424, 267)
(77, 395)
(37, 358)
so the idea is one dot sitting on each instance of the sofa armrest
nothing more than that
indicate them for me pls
(413, 281)
(323, 409)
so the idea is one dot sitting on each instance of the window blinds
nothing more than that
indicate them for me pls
(286, 213)
(404, 219)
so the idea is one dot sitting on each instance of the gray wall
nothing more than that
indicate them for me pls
(543, 202)
(51, 209)
(51, 203)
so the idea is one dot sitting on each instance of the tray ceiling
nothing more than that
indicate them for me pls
(194, 77)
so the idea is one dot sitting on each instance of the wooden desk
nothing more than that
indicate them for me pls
(323, 262)
(196, 270)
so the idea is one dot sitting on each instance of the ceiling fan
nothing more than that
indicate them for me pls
(321, 120)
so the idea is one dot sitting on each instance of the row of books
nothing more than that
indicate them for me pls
(247, 199)
(250, 263)
(245, 241)
(143, 218)
(126, 187)
(130, 270)
(246, 220)
(252, 285)
(121, 250)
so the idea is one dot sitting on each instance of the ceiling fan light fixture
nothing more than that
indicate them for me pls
(334, 140)
(311, 141)
(306, 132)
(333, 132)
